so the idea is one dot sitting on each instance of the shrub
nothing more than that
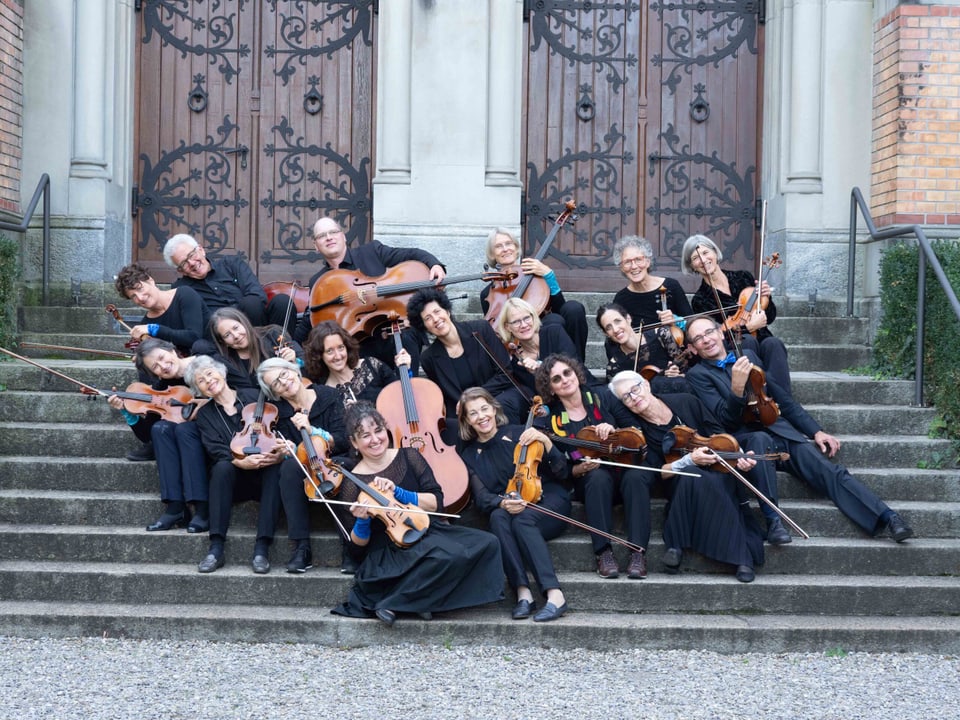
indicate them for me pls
(9, 273)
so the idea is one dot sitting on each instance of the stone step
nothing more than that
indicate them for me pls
(747, 633)
(67, 439)
(76, 320)
(103, 374)
(854, 595)
(800, 330)
(572, 552)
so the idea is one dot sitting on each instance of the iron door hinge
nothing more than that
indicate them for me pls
(135, 201)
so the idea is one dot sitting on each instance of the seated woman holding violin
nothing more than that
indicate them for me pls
(181, 463)
(583, 418)
(491, 450)
(241, 347)
(655, 354)
(245, 457)
(504, 252)
(331, 357)
(306, 411)
(710, 513)
(735, 288)
(414, 562)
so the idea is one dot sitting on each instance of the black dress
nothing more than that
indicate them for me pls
(643, 306)
(450, 567)
(709, 514)
(659, 350)
(183, 322)
(523, 537)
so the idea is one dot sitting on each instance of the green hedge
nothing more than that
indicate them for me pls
(894, 349)
(9, 273)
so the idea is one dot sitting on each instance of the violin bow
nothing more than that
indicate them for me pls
(641, 467)
(309, 478)
(89, 351)
(503, 368)
(281, 341)
(760, 496)
(654, 326)
(716, 295)
(575, 523)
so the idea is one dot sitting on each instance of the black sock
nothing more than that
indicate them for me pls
(201, 509)
(175, 507)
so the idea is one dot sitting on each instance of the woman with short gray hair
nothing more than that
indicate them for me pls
(645, 294)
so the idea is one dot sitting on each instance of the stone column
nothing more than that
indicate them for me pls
(504, 81)
(89, 156)
(394, 51)
(805, 79)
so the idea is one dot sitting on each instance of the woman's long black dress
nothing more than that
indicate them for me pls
(450, 567)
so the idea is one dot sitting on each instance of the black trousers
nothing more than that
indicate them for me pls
(600, 489)
(573, 315)
(181, 462)
(523, 539)
(229, 484)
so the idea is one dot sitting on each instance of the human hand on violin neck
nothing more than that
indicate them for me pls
(740, 373)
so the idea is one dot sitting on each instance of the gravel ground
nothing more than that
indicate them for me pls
(90, 679)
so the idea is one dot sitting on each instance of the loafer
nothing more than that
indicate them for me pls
(387, 617)
(523, 609)
(260, 564)
(898, 529)
(168, 521)
(637, 569)
(213, 561)
(745, 573)
(144, 453)
(198, 525)
(550, 612)
(672, 559)
(776, 533)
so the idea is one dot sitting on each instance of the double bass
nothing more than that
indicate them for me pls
(531, 288)
(414, 410)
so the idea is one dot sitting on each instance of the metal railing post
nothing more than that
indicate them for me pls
(921, 317)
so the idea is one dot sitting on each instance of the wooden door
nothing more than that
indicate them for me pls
(254, 118)
(646, 115)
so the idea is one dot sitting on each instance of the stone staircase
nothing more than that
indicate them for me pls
(75, 559)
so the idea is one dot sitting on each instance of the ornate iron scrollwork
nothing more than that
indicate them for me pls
(162, 197)
(737, 17)
(549, 19)
(728, 203)
(545, 196)
(348, 200)
(357, 18)
(221, 32)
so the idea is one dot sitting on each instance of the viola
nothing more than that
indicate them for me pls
(404, 522)
(626, 445)
(359, 304)
(313, 452)
(531, 288)
(299, 294)
(526, 482)
(256, 434)
(413, 409)
(176, 404)
(723, 445)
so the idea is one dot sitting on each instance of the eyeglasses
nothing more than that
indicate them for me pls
(696, 340)
(520, 322)
(283, 377)
(191, 256)
(507, 244)
(328, 233)
(565, 373)
(634, 262)
(634, 393)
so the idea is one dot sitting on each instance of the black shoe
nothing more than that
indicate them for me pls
(198, 525)
(550, 612)
(302, 559)
(213, 560)
(144, 453)
(260, 564)
(425, 615)
(776, 533)
(898, 529)
(672, 559)
(523, 609)
(168, 521)
(387, 617)
(745, 573)
(348, 566)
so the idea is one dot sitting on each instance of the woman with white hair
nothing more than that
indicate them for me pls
(644, 295)
(701, 255)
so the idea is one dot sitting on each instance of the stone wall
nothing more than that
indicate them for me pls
(916, 116)
(11, 103)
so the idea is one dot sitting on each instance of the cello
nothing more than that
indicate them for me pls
(403, 403)
(531, 288)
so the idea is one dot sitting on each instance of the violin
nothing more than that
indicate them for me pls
(676, 332)
(750, 301)
(256, 435)
(531, 288)
(115, 313)
(723, 445)
(525, 482)
(404, 522)
(299, 294)
(627, 445)
(413, 409)
(359, 304)
(313, 452)
(176, 404)
(282, 340)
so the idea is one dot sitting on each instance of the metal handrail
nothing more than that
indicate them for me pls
(856, 200)
(42, 187)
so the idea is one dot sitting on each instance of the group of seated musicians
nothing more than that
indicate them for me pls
(511, 386)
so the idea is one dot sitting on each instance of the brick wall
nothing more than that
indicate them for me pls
(916, 116)
(11, 103)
